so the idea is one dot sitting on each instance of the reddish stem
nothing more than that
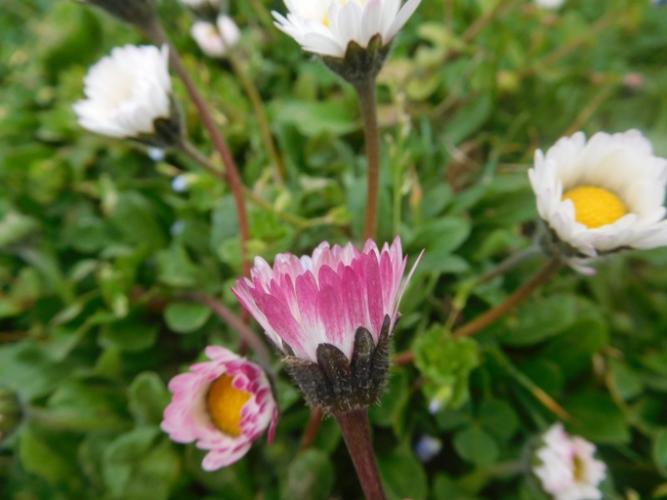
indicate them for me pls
(158, 35)
(357, 435)
(368, 103)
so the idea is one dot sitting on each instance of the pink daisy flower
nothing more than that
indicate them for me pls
(303, 302)
(223, 405)
(331, 314)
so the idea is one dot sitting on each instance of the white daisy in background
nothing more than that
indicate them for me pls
(550, 4)
(326, 27)
(214, 40)
(126, 92)
(568, 469)
(602, 195)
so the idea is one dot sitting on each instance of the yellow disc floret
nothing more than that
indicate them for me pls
(595, 207)
(225, 402)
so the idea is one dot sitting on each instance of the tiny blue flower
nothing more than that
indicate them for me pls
(427, 447)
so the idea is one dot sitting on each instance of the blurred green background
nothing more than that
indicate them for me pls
(98, 253)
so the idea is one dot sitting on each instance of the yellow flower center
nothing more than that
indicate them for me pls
(595, 207)
(225, 402)
(579, 471)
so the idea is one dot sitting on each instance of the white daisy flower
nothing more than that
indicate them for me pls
(568, 469)
(327, 27)
(214, 40)
(550, 4)
(126, 92)
(602, 195)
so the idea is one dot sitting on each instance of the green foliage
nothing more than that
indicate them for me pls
(98, 254)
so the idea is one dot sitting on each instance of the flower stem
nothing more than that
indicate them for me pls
(197, 156)
(519, 296)
(236, 323)
(368, 102)
(260, 113)
(158, 35)
(493, 315)
(357, 435)
(314, 423)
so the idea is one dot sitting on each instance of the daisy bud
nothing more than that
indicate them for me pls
(332, 315)
(353, 37)
(138, 12)
(600, 196)
(10, 413)
(567, 466)
(214, 40)
(223, 405)
(128, 95)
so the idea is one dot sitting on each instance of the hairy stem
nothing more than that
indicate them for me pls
(357, 435)
(368, 102)
(158, 35)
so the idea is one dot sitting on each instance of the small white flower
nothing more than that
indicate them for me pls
(156, 154)
(568, 469)
(126, 92)
(550, 4)
(602, 195)
(326, 27)
(214, 40)
(180, 183)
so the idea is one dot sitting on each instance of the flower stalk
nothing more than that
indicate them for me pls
(356, 432)
(156, 32)
(366, 91)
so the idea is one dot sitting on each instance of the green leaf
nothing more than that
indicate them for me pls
(596, 417)
(147, 398)
(314, 118)
(41, 454)
(660, 451)
(141, 464)
(402, 475)
(498, 418)
(540, 320)
(129, 335)
(310, 475)
(446, 364)
(476, 446)
(186, 317)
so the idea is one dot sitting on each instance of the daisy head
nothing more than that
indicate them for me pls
(358, 31)
(567, 467)
(128, 95)
(601, 195)
(331, 313)
(223, 405)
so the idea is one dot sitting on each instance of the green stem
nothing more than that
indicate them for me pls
(260, 113)
(368, 102)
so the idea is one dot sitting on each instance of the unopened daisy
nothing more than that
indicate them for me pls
(334, 304)
(358, 31)
(568, 469)
(128, 95)
(215, 40)
(601, 195)
(223, 405)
